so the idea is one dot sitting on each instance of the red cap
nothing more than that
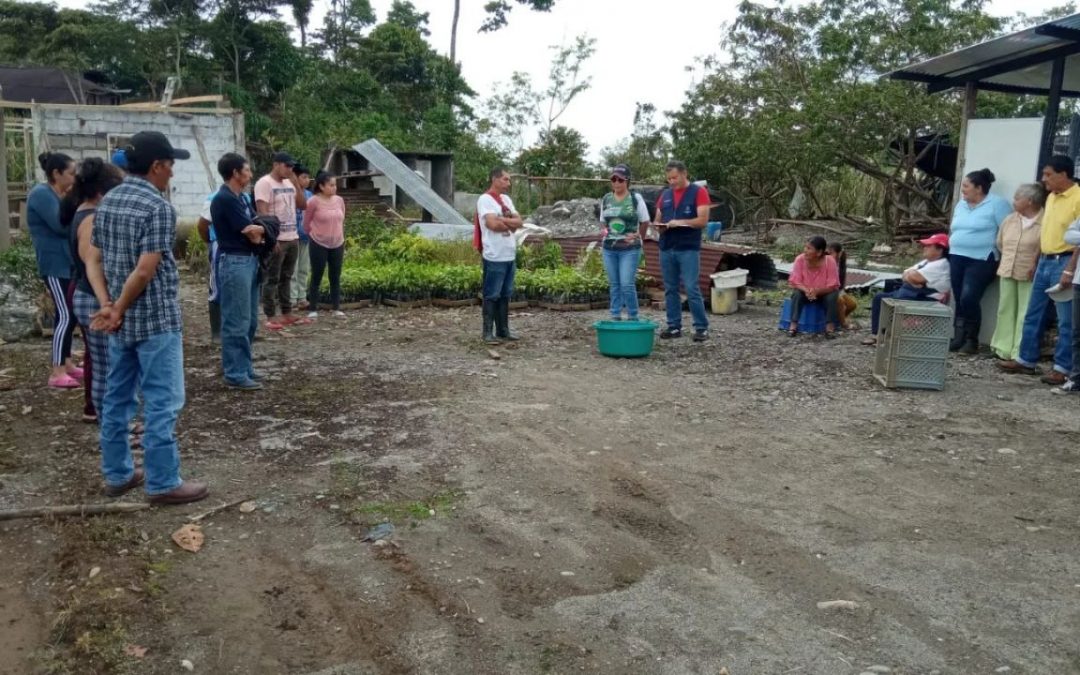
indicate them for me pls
(940, 239)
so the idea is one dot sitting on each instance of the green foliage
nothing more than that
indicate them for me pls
(547, 256)
(515, 110)
(19, 265)
(560, 152)
(646, 152)
(407, 248)
(365, 229)
(196, 253)
(498, 9)
(799, 98)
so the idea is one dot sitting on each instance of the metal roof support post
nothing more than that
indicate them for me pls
(971, 95)
(1050, 121)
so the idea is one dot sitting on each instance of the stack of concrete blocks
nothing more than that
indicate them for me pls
(86, 131)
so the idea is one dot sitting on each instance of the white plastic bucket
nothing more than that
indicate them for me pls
(735, 278)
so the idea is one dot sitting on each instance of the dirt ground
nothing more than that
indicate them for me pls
(555, 511)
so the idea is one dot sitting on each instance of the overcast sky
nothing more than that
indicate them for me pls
(641, 53)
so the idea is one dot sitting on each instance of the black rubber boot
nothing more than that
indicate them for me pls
(971, 339)
(502, 320)
(215, 322)
(959, 336)
(489, 311)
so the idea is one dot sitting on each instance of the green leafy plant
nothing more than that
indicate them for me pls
(19, 265)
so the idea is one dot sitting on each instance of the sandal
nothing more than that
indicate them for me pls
(64, 381)
(793, 333)
(870, 341)
(302, 322)
(273, 325)
(830, 335)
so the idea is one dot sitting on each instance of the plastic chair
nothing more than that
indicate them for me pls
(812, 319)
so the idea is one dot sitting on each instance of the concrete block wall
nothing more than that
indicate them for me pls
(84, 132)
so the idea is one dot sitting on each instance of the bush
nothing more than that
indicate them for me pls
(19, 265)
(548, 256)
(366, 229)
(197, 252)
(407, 248)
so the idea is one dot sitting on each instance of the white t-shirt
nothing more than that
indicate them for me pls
(936, 273)
(498, 246)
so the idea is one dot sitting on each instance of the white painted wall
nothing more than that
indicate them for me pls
(84, 131)
(1009, 148)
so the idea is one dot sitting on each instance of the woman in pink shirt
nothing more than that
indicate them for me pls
(815, 278)
(324, 221)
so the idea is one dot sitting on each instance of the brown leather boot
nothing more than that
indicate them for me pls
(189, 491)
(119, 490)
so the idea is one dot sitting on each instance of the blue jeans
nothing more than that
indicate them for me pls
(1047, 274)
(499, 279)
(970, 277)
(621, 265)
(156, 366)
(682, 266)
(238, 292)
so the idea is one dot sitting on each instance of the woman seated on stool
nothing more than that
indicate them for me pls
(927, 280)
(814, 278)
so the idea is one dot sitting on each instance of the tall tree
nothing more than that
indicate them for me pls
(799, 99)
(453, 31)
(344, 26)
(497, 11)
(301, 11)
(404, 14)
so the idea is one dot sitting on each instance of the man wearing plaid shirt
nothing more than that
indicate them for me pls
(135, 227)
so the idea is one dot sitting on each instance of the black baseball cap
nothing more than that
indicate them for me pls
(622, 171)
(284, 158)
(152, 146)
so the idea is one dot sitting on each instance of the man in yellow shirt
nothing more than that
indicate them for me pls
(1057, 264)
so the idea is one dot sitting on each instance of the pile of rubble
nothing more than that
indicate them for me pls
(572, 218)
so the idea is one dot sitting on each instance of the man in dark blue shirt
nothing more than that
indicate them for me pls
(238, 271)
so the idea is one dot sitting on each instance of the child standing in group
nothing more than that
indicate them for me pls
(846, 305)
(303, 261)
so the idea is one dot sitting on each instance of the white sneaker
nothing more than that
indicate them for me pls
(313, 315)
(1070, 387)
(339, 314)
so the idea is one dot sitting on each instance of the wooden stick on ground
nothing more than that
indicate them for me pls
(216, 509)
(76, 510)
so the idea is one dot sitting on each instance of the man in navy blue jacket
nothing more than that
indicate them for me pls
(681, 213)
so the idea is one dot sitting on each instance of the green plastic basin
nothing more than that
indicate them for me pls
(625, 339)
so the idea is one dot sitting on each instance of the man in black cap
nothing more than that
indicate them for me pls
(279, 193)
(135, 228)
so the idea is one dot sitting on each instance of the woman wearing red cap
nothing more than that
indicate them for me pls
(929, 280)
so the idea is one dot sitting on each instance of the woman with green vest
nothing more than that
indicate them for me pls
(624, 218)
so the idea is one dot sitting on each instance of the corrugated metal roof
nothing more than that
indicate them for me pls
(404, 177)
(1020, 62)
(53, 85)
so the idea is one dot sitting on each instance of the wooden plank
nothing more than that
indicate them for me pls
(197, 132)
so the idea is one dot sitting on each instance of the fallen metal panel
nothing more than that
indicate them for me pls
(404, 177)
